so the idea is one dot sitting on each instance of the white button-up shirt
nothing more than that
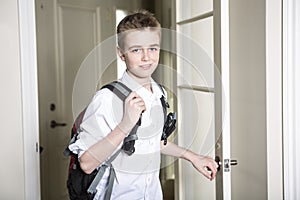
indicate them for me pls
(137, 176)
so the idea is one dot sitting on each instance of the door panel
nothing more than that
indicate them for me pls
(77, 37)
(197, 66)
(192, 8)
(199, 129)
(202, 33)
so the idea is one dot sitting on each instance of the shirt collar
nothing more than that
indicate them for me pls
(142, 91)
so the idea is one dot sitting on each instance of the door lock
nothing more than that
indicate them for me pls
(227, 163)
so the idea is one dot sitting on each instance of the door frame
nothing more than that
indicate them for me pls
(291, 95)
(29, 90)
(274, 99)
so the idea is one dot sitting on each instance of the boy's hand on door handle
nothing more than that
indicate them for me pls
(205, 165)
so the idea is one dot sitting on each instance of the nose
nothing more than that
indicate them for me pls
(145, 56)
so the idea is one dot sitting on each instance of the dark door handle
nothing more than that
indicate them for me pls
(217, 159)
(54, 124)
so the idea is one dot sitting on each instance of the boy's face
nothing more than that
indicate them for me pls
(141, 52)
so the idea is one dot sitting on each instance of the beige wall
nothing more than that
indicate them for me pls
(11, 142)
(248, 99)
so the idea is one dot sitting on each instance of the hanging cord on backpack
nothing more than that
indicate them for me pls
(169, 127)
(170, 120)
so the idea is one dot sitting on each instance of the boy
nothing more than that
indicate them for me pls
(108, 120)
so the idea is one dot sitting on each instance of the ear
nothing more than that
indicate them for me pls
(120, 53)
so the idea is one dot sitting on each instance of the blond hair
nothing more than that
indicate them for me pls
(141, 19)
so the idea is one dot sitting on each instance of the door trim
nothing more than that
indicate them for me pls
(274, 98)
(291, 96)
(28, 57)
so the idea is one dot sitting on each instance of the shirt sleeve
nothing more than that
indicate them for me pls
(97, 122)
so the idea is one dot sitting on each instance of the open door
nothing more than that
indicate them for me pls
(76, 44)
(66, 32)
(203, 94)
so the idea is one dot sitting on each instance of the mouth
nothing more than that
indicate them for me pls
(146, 66)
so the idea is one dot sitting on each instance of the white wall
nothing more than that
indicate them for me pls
(12, 175)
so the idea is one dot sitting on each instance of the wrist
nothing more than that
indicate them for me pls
(124, 128)
(188, 155)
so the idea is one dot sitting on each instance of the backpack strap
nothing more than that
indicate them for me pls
(122, 91)
(118, 88)
(100, 173)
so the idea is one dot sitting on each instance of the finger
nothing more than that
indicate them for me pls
(137, 101)
(140, 107)
(213, 174)
(132, 95)
(206, 173)
(214, 170)
(213, 165)
(143, 108)
(140, 103)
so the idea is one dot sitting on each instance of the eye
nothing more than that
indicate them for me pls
(136, 50)
(153, 49)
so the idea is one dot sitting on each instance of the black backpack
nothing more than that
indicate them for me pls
(82, 186)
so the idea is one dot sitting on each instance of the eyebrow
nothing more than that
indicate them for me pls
(140, 46)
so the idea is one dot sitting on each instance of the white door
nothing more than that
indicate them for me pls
(66, 33)
(76, 54)
(202, 48)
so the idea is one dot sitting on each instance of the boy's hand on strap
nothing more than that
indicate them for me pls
(134, 105)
